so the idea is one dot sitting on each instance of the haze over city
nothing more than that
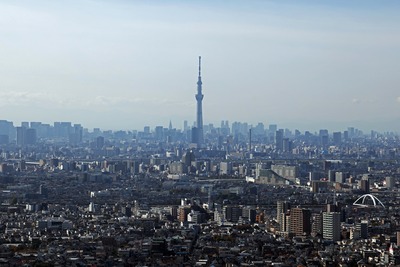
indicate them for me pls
(126, 64)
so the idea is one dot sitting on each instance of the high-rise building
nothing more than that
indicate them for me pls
(286, 145)
(30, 136)
(340, 177)
(62, 129)
(75, 134)
(199, 99)
(331, 176)
(282, 207)
(337, 138)
(360, 230)
(331, 226)
(390, 182)
(183, 213)
(272, 128)
(25, 124)
(232, 213)
(316, 227)
(364, 184)
(159, 132)
(300, 222)
(99, 142)
(279, 140)
(21, 136)
(324, 137)
(7, 131)
(346, 135)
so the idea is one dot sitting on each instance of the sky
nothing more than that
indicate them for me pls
(126, 64)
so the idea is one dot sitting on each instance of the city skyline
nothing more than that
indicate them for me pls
(124, 65)
(233, 128)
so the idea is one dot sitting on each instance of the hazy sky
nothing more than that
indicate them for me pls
(125, 64)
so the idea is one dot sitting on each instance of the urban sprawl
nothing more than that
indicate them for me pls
(232, 195)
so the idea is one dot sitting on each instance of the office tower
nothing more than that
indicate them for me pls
(199, 99)
(350, 131)
(286, 145)
(259, 129)
(346, 135)
(62, 129)
(159, 133)
(300, 222)
(30, 136)
(75, 134)
(25, 124)
(99, 142)
(331, 226)
(225, 130)
(21, 133)
(39, 128)
(272, 128)
(7, 131)
(96, 132)
(323, 137)
(195, 135)
(279, 140)
(337, 138)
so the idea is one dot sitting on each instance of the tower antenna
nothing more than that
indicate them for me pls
(199, 66)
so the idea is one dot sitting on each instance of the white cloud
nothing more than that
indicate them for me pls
(34, 99)
(23, 98)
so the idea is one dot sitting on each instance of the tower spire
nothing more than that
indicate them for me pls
(199, 66)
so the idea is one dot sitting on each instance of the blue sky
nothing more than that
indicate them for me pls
(126, 64)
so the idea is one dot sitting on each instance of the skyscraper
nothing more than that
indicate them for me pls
(279, 140)
(199, 99)
(21, 136)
